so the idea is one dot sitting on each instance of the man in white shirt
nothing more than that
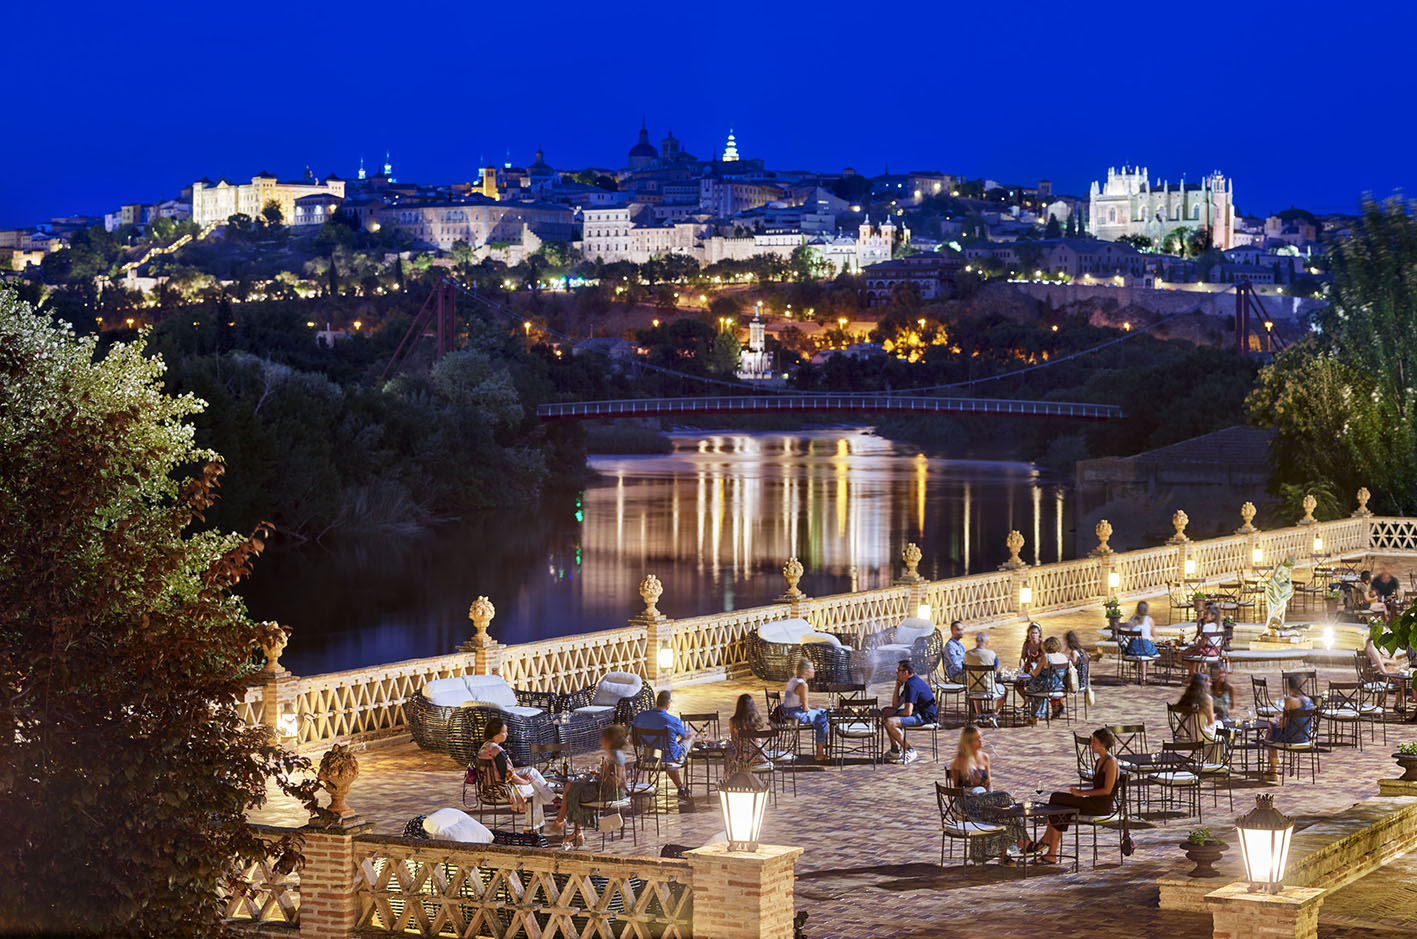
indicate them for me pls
(981, 654)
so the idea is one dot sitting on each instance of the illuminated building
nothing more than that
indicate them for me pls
(933, 275)
(476, 221)
(730, 150)
(216, 202)
(1128, 203)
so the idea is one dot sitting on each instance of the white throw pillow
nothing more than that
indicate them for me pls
(491, 689)
(454, 825)
(786, 632)
(616, 685)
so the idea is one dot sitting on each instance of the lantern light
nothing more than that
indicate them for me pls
(1264, 844)
(665, 657)
(1190, 567)
(1025, 596)
(742, 798)
(923, 611)
(1257, 556)
(1318, 544)
(1114, 580)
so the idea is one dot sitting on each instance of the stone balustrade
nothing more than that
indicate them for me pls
(315, 712)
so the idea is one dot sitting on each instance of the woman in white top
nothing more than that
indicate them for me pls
(796, 706)
(1142, 645)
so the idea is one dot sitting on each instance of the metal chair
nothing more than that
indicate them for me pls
(856, 730)
(1130, 745)
(1264, 705)
(1127, 661)
(1310, 719)
(1215, 765)
(1180, 774)
(1342, 708)
(980, 686)
(704, 726)
(491, 794)
(954, 826)
(1308, 681)
(1116, 818)
(1056, 691)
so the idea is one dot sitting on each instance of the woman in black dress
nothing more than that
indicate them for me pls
(1096, 800)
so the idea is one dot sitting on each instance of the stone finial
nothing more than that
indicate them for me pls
(650, 591)
(1179, 521)
(1309, 503)
(1014, 542)
(338, 770)
(481, 613)
(1104, 531)
(272, 637)
(792, 572)
(1363, 496)
(1247, 515)
(911, 555)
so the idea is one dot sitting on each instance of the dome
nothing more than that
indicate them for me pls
(643, 150)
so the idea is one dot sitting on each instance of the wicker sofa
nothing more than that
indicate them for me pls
(448, 714)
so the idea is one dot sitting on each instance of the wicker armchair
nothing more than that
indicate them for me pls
(774, 649)
(465, 731)
(615, 699)
(915, 639)
(831, 663)
(438, 716)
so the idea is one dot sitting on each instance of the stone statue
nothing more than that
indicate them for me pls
(1277, 591)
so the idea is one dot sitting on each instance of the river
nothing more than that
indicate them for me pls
(714, 519)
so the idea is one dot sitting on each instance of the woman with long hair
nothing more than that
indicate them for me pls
(1210, 639)
(796, 705)
(1143, 644)
(969, 770)
(1047, 677)
(1222, 691)
(608, 784)
(1196, 700)
(525, 785)
(1092, 800)
(746, 719)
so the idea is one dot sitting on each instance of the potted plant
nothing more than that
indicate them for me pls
(1406, 757)
(1198, 600)
(1204, 849)
(1113, 609)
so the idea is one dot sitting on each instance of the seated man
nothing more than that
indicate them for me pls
(680, 739)
(982, 655)
(913, 704)
(953, 662)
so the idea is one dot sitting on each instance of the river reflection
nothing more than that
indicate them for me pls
(714, 520)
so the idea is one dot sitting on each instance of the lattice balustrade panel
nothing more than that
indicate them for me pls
(574, 662)
(1394, 534)
(860, 614)
(1146, 570)
(1067, 584)
(250, 706)
(1347, 535)
(408, 888)
(1290, 542)
(258, 893)
(367, 701)
(1220, 557)
(980, 596)
(705, 645)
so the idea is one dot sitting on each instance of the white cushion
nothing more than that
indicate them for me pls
(520, 711)
(446, 692)
(595, 710)
(912, 628)
(855, 730)
(974, 828)
(786, 632)
(826, 639)
(491, 689)
(1341, 714)
(454, 825)
(893, 650)
(949, 687)
(616, 685)
(1177, 778)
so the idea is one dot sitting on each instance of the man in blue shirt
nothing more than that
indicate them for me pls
(680, 739)
(954, 653)
(914, 704)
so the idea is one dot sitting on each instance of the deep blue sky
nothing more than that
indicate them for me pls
(1300, 102)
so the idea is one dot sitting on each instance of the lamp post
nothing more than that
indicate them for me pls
(1264, 844)
(742, 798)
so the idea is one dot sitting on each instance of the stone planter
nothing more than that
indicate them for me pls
(1114, 622)
(1408, 762)
(1204, 856)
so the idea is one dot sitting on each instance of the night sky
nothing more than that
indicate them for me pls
(1300, 102)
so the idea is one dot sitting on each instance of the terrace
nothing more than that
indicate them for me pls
(870, 834)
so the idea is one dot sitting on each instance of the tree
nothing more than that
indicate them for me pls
(1140, 242)
(1342, 402)
(271, 213)
(724, 354)
(123, 758)
(1052, 229)
(461, 252)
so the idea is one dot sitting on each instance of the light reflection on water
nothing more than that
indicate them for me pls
(714, 520)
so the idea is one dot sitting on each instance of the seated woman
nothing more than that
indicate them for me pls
(608, 784)
(1031, 652)
(1380, 666)
(970, 771)
(523, 785)
(745, 720)
(1209, 641)
(1196, 700)
(1222, 692)
(1143, 644)
(1094, 800)
(797, 707)
(1047, 677)
(1286, 728)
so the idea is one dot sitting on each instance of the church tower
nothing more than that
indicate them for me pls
(730, 151)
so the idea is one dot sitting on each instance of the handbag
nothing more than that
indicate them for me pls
(1091, 697)
(1072, 679)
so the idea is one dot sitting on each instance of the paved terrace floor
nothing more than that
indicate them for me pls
(871, 834)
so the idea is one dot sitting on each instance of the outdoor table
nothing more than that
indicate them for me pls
(708, 754)
(1033, 813)
(1247, 740)
(1405, 689)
